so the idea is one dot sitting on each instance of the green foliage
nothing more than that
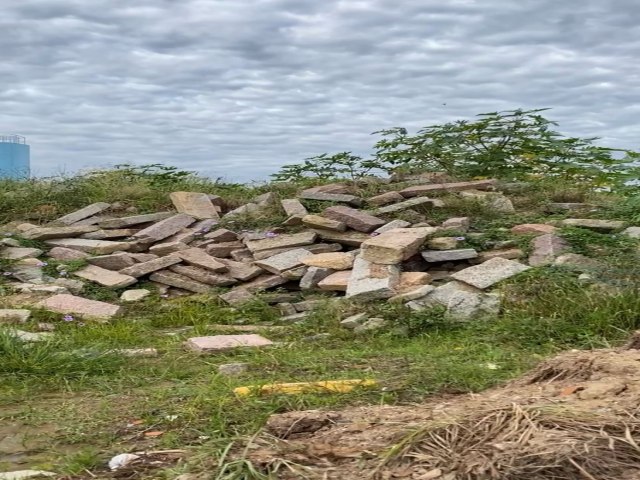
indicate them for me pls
(517, 144)
(588, 242)
(325, 167)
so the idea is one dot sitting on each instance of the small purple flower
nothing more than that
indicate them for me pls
(270, 234)
(63, 273)
(7, 274)
(42, 264)
(460, 239)
(68, 318)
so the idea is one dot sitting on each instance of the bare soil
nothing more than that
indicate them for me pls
(573, 417)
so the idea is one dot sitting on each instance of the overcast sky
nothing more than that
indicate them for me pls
(235, 88)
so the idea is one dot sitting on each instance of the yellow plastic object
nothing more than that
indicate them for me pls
(329, 386)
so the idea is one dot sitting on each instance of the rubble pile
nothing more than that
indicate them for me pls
(354, 247)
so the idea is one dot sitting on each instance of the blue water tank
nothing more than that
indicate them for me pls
(15, 155)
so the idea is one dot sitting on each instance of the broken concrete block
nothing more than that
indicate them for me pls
(370, 281)
(240, 271)
(336, 282)
(141, 269)
(545, 249)
(18, 253)
(394, 246)
(165, 228)
(332, 261)
(313, 276)
(104, 277)
(95, 247)
(385, 199)
(70, 304)
(196, 205)
(48, 233)
(490, 272)
(14, 315)
(356, 219)
(408, 204)
(593, 224)
(203, 276)
(421, 190)
(282, 241)
(433, 256)
(135, 220)
(86, 212)
(135, 295)
(332, 197)
(392, 225)
(179, 281)
(222, 235)
(533, 229)
(316, 221)
(284, 261)
(221, 343)
(237, 297)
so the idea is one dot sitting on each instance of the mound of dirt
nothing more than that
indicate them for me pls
(573, 417)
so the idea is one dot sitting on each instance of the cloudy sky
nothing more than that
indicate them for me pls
(235, 88)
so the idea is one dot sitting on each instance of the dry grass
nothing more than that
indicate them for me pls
(516, 442)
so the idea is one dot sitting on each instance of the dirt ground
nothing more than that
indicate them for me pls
(573, 417)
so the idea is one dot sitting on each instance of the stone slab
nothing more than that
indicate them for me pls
(594, 224)
(167, 248)
(370, 281)
(14, 315)
(332, 261)
(421, 190)
(179, 281)
(355, 219)
(407, 204)
(314, 275)
(282, 241)
(336, 282)
(107, 234)
(264, 282)
(293, 207)
(332, 197)
(391, 225)
(239, 270)
(490, 272)
(86, 212)
(95, 247)
(545, 249)
(19, 253)
(457, 223)
(223, 250)
(221, 343)
(433, 256)
(200, 258)
(104, 277)
(385, 199)
(533, 229)
(48, 233)
(135, 220)
(316, 221)
(165, 228)
(284, 261)
(204, 276)
(70, 304)
(222, 235)
(194, 204)
(237, 297)
(395, 246)
(135, 295)
(115, 261)
(350, 238)
(141, 269)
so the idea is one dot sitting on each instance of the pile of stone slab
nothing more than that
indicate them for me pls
(353, 247)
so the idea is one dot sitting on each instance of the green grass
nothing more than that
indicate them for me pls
(91, 403)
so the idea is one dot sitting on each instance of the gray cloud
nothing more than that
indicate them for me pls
(236, 89)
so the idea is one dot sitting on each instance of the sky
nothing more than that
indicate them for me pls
(237, 88)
